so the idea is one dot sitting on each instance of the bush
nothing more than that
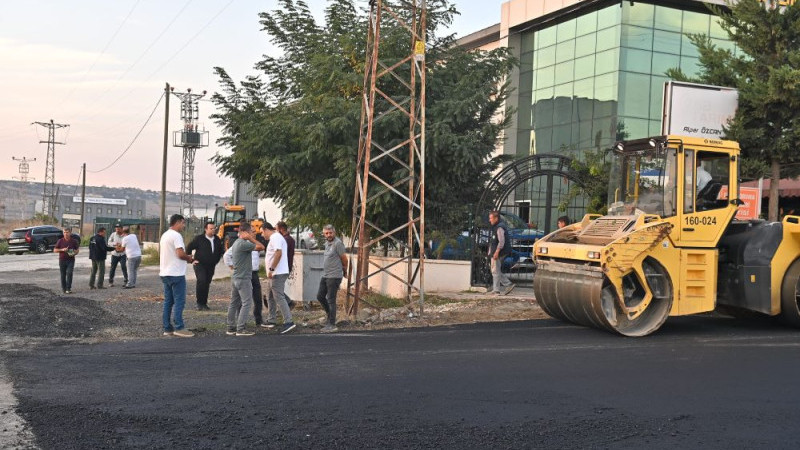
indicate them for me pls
(3, 248)
(150, 257)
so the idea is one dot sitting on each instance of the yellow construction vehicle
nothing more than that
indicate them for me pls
(227, 219)
(669, 245)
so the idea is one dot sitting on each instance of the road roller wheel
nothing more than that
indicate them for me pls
(592, 301)
(790, 295)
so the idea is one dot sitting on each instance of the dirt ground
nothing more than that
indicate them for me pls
(38, 311)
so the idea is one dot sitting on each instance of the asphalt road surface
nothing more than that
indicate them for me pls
(700, 382)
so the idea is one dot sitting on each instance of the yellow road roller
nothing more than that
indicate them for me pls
(670, 245)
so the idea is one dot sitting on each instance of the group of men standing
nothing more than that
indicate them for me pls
(243, 257)
(125, 251)
(204, 253)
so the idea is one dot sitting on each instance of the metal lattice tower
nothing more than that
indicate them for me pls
(190, 139)
(24, 168)
(48, 196)
(383, 98)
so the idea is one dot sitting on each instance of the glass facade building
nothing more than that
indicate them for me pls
(597, 75)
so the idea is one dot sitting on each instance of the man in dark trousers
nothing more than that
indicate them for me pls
(98, 249)
(66, 247)
(117, 257)
(207, 248)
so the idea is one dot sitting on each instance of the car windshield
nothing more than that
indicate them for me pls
(513, 221)
(643, 182)
(234, 216)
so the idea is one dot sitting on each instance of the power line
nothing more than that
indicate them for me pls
(179, 50)
(102, 52)
(78, 182)
(146, 50)
(134, 138)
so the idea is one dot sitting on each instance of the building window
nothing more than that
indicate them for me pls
(130, 212)
(139, 213)
(66, 208)
(88, 209)
(108, 210)
(57, 208)
(119, 211)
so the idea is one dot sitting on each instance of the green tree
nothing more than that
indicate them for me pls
(766, 71)
(293, 129)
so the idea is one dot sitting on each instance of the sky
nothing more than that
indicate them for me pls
(101, 66)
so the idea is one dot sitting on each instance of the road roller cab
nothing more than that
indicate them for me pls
(657, 252)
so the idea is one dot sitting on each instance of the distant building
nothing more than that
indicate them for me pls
(593, 70)
(590, 72)
(120, 208)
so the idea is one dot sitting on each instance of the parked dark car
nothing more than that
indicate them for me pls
(521, 235)
(39, 239)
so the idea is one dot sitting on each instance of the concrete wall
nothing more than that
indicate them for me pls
(440, 276)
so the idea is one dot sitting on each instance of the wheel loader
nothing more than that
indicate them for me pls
(227, 219)
(670, 245)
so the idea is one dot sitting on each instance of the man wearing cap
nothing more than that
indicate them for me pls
(97, 253)
(117, 257)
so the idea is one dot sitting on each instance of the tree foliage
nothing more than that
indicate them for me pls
(293, 128)
(766, 71)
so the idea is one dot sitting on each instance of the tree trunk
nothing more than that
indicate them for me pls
(774, 182)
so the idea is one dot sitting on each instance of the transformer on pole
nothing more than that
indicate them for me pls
(384, 97)
(49, 194)
(24, 168)
(190, 138)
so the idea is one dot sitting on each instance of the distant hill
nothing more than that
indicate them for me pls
(18, 199)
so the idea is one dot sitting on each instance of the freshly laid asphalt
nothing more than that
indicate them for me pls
(700, 382)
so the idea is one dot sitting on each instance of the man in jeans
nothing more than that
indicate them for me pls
(98, 249)
(67, 248)
(277, 264)
(117, 257)
(283, 229)
(133, 253)
(499, 248)
(241, 280)
(172, 270)
(334, 266)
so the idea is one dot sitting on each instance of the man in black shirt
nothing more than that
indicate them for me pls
(207, 248)
(98, 249)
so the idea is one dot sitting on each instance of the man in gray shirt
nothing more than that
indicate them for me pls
(242, 287)
(334, 267)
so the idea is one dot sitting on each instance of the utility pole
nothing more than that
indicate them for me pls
(162, 223)
(83, 198)
(48, 196)
(407, 157)
(24, 168)
(190, 138)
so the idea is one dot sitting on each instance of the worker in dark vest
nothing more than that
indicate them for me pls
(499, 248)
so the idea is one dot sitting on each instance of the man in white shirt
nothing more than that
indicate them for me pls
(703, 177)
(133, 253)
(117, 257)
(172, 270)
(277, 264)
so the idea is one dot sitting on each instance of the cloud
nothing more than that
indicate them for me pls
(28, 57)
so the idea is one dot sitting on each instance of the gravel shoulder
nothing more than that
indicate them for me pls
(36, 310)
